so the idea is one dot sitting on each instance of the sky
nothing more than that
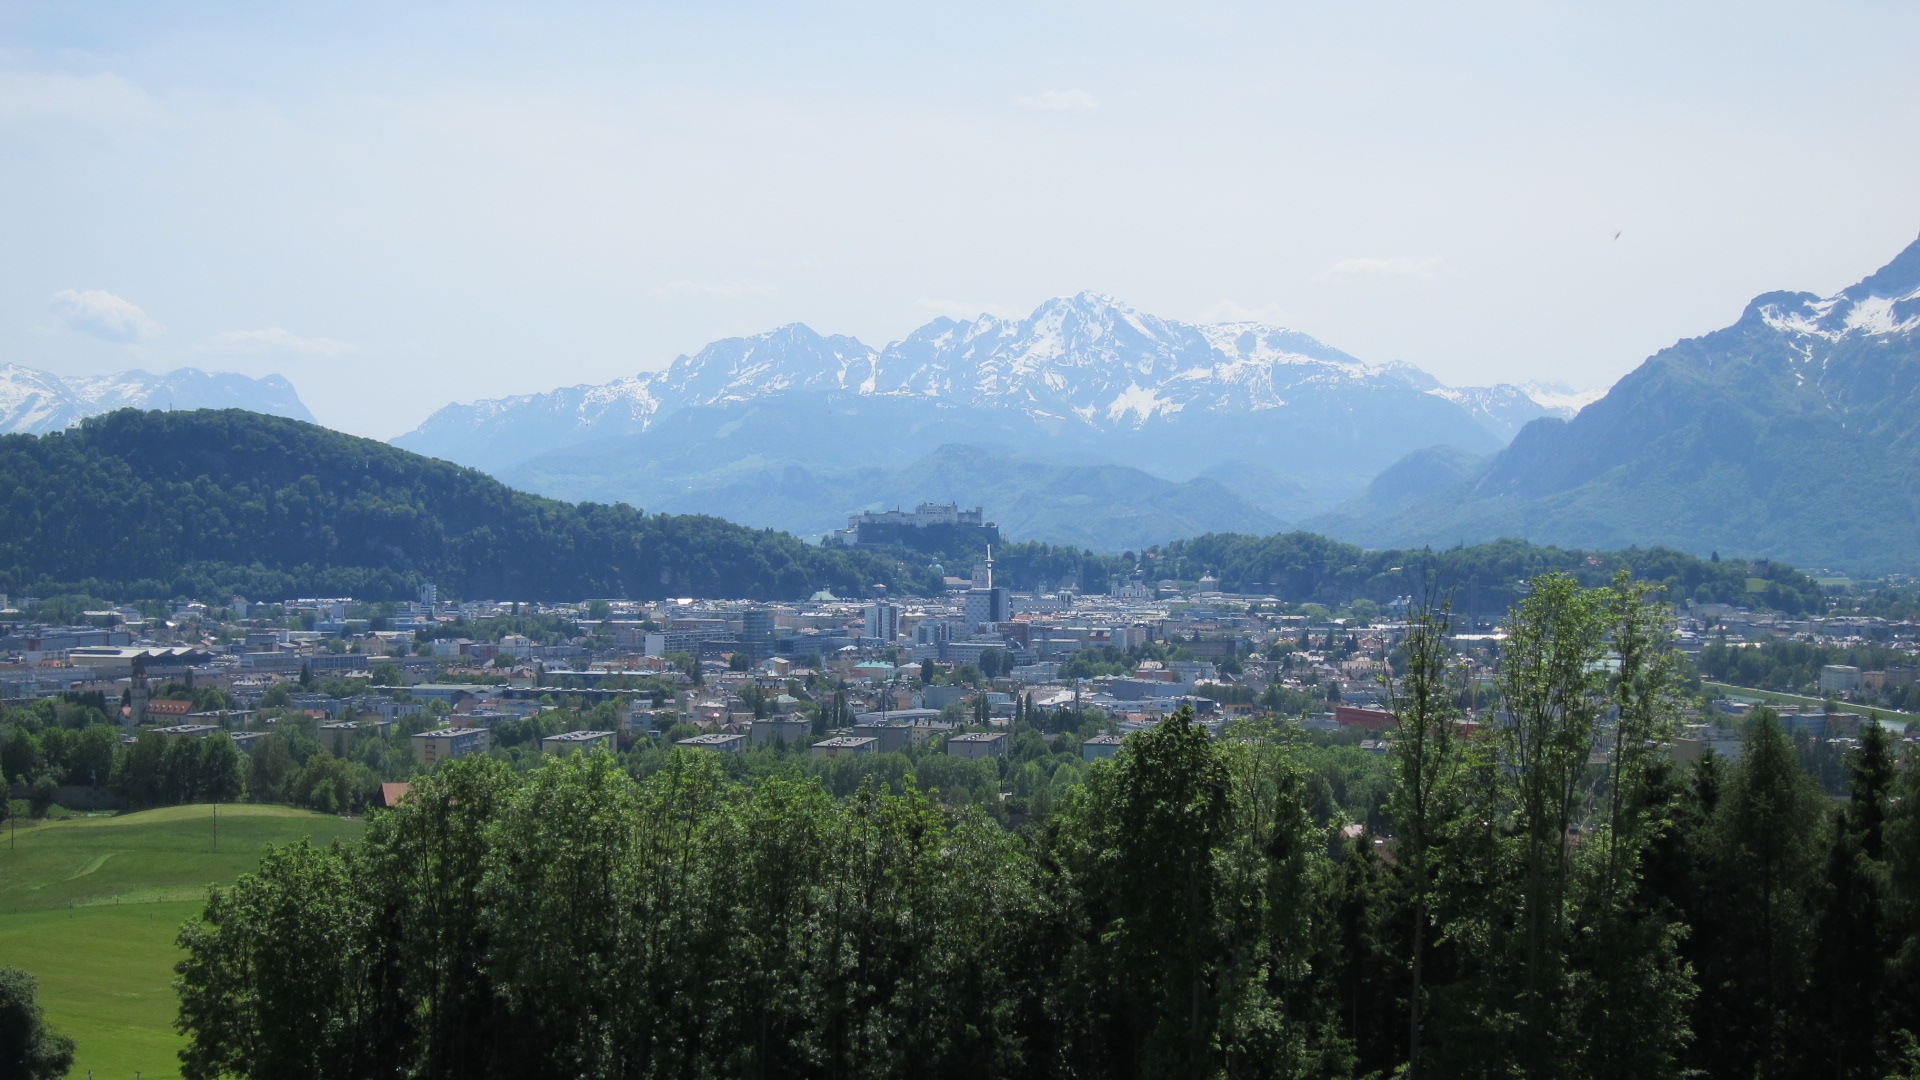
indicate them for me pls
(399, 206)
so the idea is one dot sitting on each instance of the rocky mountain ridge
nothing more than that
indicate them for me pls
(1088, 362)
(1792, 433)
(33, 402)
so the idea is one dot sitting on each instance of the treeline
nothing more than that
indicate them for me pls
(1485, 579)
(146, 505)
(1794, 667)
(1522, 911)
(211, 503)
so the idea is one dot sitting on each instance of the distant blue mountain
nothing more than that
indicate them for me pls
(1275, 421)
(34, 402)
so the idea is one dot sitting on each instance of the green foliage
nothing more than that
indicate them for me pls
(206, 503)
(1545, 896)
(29, 1048)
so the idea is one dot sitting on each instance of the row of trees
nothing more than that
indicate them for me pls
(1530, 910)
(1794, 667)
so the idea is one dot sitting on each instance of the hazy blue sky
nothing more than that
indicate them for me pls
(401, 205)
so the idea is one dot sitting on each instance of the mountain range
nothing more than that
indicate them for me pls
(793, 429)
(34, 402)
(1792, 433)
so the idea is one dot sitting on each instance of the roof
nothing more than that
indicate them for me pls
(979, 736)
(129, 652)
(714, 739)
(578, 736)
(391, 794)
(846, 741)
(1103, 740)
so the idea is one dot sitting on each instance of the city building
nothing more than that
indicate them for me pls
(717, 742)
(757, 634)
(845, 744)
(978, 744)
(899, 527)
(572, 742)
(1839, 678)
(883, 621)
(185, 731)
(442, 744)
(780, 731)
(1100, 746)
(337, 736)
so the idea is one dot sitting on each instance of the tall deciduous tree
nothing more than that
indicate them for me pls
(1554, 689)
(1138, 844)
(1425, 761)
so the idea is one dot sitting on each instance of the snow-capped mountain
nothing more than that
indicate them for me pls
(1789, 433)
(1087, 362)
(34, 402)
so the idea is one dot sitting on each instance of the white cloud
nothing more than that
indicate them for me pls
(273, 341)
(103, 315)
(1059, 101)
(726, 290)
(1403, 266)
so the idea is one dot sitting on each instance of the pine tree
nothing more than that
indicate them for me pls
(1845, 1022)
(1769, 838)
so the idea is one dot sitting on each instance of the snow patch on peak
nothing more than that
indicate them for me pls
(1875, 315)
(1141, 401)
(1559, 397)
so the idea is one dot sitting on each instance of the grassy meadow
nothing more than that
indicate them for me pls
(91, 906)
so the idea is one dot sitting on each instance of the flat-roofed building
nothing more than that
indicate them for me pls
(442, 744)
(1100, 746)
(189, 731)
(718, 742)
(845, 744)
(978, 744)
(1839, 678)
(571, 742)
(338, 735)
(789, 732)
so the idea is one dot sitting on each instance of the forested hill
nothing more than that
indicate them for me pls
(206, 503)
(154, 504)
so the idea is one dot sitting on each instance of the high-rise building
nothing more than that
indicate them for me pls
(883, 621)
(988, 606)
(984, 603)
(757, 634)
(429, 596)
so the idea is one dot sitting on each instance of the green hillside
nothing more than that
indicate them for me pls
(1789, 434)
(157, 504)
(91, 907)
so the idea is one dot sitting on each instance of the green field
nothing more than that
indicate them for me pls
(91, 907)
